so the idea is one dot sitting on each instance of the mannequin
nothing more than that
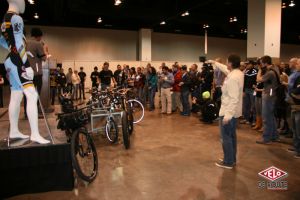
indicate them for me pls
(20, 73)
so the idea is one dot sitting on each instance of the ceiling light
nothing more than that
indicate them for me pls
(36, 16)
(292, 4)
(99, 20)
(31, 1)
(244, 31)
(283, 5)
(118, 2)
(185, 14)
(205, 26)
(230, 19)
(162, 23)
(234, 19)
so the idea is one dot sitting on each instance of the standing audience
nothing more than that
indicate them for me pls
(270, 80)
(82, 76)
(139, 84)
(106, 77)
(166, 82)
(176, 95)
(94, 77)
(76, 83)
(185, 85)
(295, 94)
(69, 81)
(53, 85)
(249, 99)
(152, 87)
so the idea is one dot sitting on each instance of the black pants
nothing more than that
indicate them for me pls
(70, 88)
(94, 84)
(81, 90)
(38, 83)
(1, 97)
(53, 94)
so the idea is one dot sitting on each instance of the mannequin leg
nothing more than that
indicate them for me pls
(32, 98)
(14, 111)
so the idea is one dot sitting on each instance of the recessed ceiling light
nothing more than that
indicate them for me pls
(36, 16)
(31, 1)
(244, 31)
(283, 5)
(185, 14)
(162, 23)
(117, 2)
(292, 4)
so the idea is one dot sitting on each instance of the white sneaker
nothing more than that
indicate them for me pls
(39, 139)
(18, 135)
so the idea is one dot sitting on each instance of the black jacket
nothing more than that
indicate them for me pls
(186, 79)
(250, 78)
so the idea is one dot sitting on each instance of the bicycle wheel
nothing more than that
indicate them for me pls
(130, 120)
(111, 130)
(125, 131)
(138, 110)
(84, 155)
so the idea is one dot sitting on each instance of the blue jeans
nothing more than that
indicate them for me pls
(249, 105)
(185, 102)
(296, 129)
(229, 142)
(141, 94)
(151, 95)
(269, 121)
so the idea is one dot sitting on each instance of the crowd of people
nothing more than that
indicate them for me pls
(270, 93)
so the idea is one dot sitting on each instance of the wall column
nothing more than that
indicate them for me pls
(264, 28)
(145, 45)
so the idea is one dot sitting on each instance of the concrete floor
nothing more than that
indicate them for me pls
(172, 157)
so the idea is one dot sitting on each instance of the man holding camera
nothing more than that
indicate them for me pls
(271, 83)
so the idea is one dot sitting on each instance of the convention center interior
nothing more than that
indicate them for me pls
(150, 100)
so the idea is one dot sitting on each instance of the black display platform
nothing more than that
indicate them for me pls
(35, 168)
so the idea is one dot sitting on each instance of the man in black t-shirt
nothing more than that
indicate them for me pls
(119, 76)
(82, 76)
(94, 77)
(106, 76)
(61, 81)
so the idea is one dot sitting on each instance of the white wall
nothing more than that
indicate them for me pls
(180, 47)
(90, 44)
(78, 44)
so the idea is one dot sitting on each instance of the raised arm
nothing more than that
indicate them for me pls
(220, 66)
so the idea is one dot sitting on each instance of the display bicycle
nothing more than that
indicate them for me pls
(124, 98)
(83, 150)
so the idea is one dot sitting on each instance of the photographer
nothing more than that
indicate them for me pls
(207, 76)
(270, 80)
